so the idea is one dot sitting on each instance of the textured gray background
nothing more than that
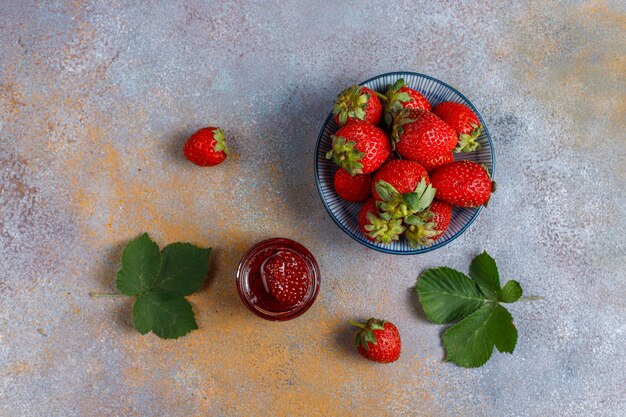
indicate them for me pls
(96, 100)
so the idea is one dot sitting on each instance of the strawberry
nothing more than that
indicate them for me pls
(377, 227)
(206, 147)
(287, 277)
(437, 161)
(359, 148)
(355, 188)
(399, 96)
(465, 123)
(424, 229)
(463, 184)
(357, 103)
(420, 136)
(402, 174)
(378, 340)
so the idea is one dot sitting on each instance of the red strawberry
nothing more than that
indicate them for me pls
(399, 96)
(287, 277)
(420, 136)
(206, 147)
(355, 188)
(428, 226)
(437, 161)
(402, 174)
(465, 123)
(380, 228)
(378, 340)
(359, 148)
(463, 184)
(357, 103)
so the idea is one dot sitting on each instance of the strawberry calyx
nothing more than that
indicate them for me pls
(352, 103)
(383, 228)
(399, 206)
(394, 99)
(419, 231)
(366, 335)
(220, 142)
(344, 155)
(467, 142)
(400, 119)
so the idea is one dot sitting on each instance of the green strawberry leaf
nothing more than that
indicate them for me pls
(184, 268)
(502, 330)
(169, 316)
(141, 261)
(511, 292)
(467, 343)
(484, 271)
(447, 295)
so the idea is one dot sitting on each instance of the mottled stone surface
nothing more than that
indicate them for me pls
(96, 100)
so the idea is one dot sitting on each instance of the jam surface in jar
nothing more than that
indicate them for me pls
(278, 279)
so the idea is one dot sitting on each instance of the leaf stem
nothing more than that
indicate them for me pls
(107, 294)
(530, 298)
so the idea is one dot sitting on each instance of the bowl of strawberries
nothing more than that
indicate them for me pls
(404, 163)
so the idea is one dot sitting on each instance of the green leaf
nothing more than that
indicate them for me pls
(141, 262)
(502, 330)
(184, 268)
(485, 272)
(447, 295)
(511, 292)
(468, 342)
(169, 316)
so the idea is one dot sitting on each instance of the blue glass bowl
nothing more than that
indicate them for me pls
(345, 214)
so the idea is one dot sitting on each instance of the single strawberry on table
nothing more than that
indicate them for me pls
(465, 123)
(463, 184)
(359, 148)
(419, 135)
(398, 96)
(424, 229)
(378, 340)
(206, 147)
(378, 227)
(355, 188)
(357, 103)
(287, 277)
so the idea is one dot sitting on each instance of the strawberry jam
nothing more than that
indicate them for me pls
(278, 279)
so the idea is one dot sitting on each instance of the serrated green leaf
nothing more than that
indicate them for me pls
(184, 268)
(447, 295)
(468, 343)
(169, 316)
(141, 262)
(484, 271)
(501, 329)
(511, 292)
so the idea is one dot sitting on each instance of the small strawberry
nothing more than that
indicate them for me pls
(402, 174)
(355, 188)
(357, 103)
(420, 136)
(287, 277)
(437, 161)
(359, 148)
(378, 340)
(465, 123)
(463, 184)
(398, 97)
(377, 227)
(424, 229)
(206, 147)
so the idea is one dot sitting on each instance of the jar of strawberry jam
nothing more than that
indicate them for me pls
(278, 279)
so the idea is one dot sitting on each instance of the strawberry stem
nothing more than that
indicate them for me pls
(359, 325)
